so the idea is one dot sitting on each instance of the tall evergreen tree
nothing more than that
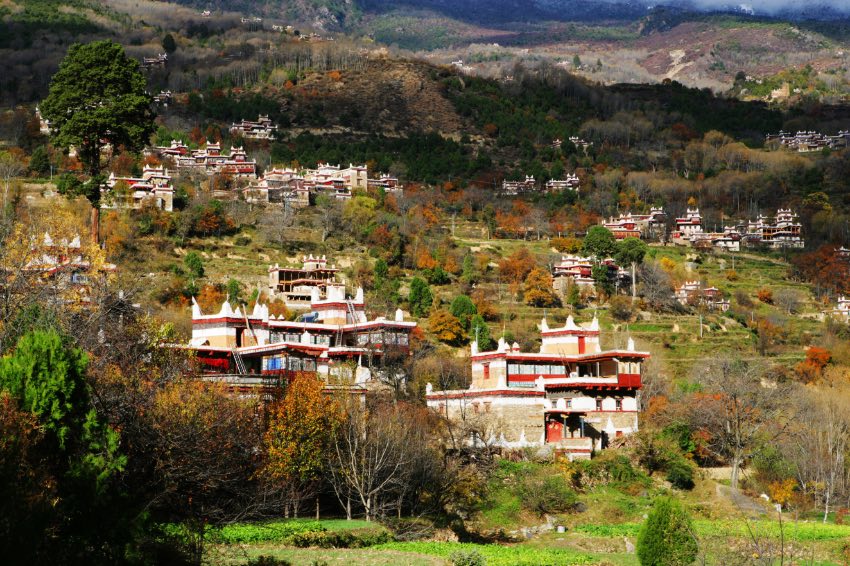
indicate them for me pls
(420, 297)
(97, 97)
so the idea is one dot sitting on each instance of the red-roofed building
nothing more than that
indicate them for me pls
(571, 395)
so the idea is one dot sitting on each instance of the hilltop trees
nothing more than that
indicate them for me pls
(97, 97)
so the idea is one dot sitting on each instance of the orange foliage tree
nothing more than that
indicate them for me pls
(539, 291)
(446, 327)
(297, 438)
(811, 369)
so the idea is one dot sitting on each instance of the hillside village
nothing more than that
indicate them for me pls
(468, 321)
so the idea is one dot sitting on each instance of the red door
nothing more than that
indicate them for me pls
(581, 344)
(554, 431)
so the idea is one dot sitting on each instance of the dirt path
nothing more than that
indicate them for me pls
(744, 504)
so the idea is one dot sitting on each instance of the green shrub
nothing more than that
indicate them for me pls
(345, 539)
(547, 494)
(268, 561)
(666, 538)
(680, 473)
(467, 558)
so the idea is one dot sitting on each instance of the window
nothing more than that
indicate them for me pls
(486, 371)
(475, 408)
(618, 404)
(598, 404)
(487, 406)
(569, 403)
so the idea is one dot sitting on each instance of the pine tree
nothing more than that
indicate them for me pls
(478, 330)
(420, 297)
(464, 309)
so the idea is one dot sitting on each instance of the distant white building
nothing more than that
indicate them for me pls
(512, 188)
(261, 129)
(569, 183)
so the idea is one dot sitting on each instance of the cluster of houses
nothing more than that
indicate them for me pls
(209, 159)
(261, 129)
(529, 185)
(781, 231)
(805, 142)
(628, 225)
(294, 187)
(571, 396)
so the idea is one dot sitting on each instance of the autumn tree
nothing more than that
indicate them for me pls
(376, 457)
(811, 369)
(539, 291)
(446, 327)
(516, 267)
(817, 442)
(744, 412)
(297, 438)
(202, 444)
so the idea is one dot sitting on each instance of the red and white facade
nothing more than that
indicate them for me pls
(571, 395)
(628, 225)
(296, 285)
(335, 342)
(580, 270)
(154, 185)
(261, 129)
(689, 225)
(210, 159)
(693, 293)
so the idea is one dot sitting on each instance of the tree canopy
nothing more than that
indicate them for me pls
(98, 97)
(599, 243)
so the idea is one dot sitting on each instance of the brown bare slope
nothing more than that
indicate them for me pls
(389, 96)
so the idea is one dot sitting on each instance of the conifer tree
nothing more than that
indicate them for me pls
(666, 538)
